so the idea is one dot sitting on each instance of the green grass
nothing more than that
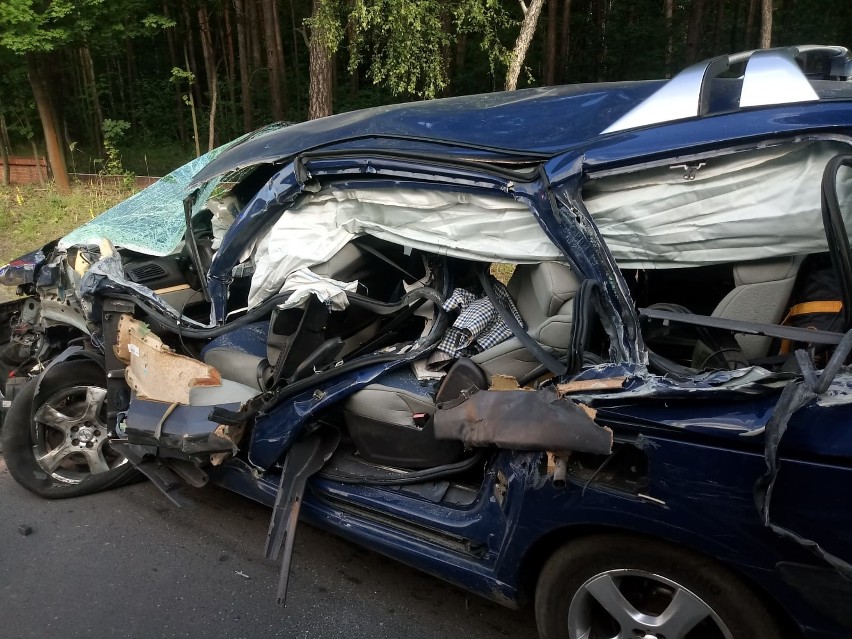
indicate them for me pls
(32, 215)
(139, 159)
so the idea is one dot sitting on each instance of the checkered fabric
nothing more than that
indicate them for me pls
(476, 328)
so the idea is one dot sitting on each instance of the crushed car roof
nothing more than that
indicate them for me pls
(531, 123)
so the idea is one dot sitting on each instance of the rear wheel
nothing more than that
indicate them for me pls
(60, 447)
(620, 587)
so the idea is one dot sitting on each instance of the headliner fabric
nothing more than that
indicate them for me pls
(747, 206)
(483, 228)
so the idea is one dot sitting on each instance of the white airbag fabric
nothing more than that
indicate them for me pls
(474, 227)
(750, 206)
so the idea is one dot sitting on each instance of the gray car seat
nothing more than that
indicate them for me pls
(244, 354)
(544, 295)
(762, 294)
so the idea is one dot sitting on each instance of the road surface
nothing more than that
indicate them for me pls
(128, 564)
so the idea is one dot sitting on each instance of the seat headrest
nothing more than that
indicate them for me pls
(552, 283)
(771, 270)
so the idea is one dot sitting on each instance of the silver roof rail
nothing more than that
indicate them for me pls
(772, 76)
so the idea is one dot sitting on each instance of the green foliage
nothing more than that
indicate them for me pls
(32, 26)
(113, 131)
(328, 22)
(487, 19)
(408, 42)
(183, 75)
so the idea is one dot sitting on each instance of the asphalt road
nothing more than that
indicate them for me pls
(128, 564)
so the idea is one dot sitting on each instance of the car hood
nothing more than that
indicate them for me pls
(530, 123)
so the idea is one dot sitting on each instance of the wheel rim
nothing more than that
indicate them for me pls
(634, 604)
(70, 436)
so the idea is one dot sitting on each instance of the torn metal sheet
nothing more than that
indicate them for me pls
(156, 372)
(639, 382)
(521, 420)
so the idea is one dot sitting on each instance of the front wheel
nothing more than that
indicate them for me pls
(621, 587)
(60, 447)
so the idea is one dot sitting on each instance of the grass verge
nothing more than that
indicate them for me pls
(32, 215)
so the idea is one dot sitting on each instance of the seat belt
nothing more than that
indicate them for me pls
(551, 363)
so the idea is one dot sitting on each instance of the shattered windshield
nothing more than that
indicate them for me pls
(151, 221)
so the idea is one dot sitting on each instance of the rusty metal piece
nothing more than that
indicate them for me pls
(521, 420)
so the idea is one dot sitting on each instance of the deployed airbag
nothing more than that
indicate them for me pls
(740, 207)
(469, 226)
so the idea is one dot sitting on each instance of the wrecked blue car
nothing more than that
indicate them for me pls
(578, 347)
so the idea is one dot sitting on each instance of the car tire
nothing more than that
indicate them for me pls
(60, 447)
(629, 587)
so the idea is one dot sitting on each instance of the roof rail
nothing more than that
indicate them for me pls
(772, 76)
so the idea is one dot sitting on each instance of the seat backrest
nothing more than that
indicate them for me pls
(762, 294)
(544, 295)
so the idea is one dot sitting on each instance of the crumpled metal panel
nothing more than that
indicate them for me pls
(21, 271)
(151, 221)
(523, 420)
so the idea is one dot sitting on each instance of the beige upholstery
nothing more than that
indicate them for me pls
(762, 294)
(544, 295)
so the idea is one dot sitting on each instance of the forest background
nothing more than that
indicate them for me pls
(118, 86)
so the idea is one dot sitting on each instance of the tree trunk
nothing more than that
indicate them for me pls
(253, 32)
(765, 24)
(41, 177)
(173, 61)
(668, 15)
(272, 59)
(298, 83)
(48, 122)
(92, 94)
(320, 91)
(207, 47)
(231, 67)
(4, 134)
(522, 44)
(131, 82)
(76, 65)
(565, 39)
(211, 124)
(550, 43)
(696, 19)
(243, 53)
(192, 64)
(279, 57)
(4, 151)
(192, 110)
(749, 34)
(720, 25)
(209, 66)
